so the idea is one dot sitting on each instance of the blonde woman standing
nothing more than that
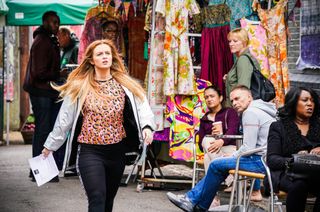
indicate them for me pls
(114, 107)
(241, 71)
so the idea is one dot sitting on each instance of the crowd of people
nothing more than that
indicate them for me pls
(111, 107)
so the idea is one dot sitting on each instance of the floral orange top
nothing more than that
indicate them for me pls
(103, 117)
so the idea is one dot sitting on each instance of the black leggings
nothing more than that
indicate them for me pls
(298, 190)
(100, 170)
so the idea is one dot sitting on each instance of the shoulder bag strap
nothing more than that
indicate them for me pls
(250, 59)
(226, 119)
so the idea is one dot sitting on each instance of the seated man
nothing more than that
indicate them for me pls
(257, 116)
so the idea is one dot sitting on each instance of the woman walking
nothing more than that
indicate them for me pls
(113, 107)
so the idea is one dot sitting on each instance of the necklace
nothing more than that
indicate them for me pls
(105, 79)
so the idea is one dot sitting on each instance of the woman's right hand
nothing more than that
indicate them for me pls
(224, 78)
(46, 152)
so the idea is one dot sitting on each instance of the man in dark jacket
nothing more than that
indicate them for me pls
(69, 45)
(44, 67)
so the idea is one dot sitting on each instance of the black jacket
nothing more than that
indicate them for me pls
(284, 140)
(70, 54)
(44, 64)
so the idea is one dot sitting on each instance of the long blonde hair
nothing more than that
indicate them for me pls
(81, 80)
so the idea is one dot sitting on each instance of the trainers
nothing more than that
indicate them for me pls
(181, 201)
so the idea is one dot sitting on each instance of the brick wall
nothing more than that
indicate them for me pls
(293, 38)
(305, 78)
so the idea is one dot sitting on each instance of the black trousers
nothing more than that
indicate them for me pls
(297, 192)
(100, 170)
(45, 111)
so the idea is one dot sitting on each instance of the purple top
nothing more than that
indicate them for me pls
(230, 125)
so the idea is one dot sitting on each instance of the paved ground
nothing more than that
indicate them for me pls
(18, 193)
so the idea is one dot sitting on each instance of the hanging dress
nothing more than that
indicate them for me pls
(184, 114)
(92, 31)
(216, 57)
(155, 86)
(257, 43)
(178, 70)
(239, 9)
(274, 22)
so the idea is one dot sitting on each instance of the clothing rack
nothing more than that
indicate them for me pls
(151, 66)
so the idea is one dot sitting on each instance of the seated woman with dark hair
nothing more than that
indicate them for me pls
(296, 131)
(229, 125)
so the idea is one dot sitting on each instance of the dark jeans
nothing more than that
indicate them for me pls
(45, 111)
(298, 190)
(100, 169)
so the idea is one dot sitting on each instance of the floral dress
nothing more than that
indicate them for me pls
(273, 21)
(257, 43)
(178, 69)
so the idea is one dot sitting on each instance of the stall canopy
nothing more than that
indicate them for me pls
(3, 7)
(29, 12)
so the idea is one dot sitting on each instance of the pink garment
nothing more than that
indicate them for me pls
(156, 85)
(257, 43)
(91, 32)
(216, 58)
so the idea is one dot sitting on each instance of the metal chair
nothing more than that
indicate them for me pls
(274, 197)
(198, 164)
(239, 176)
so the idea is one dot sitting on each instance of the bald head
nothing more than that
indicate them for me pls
(64, 37)
(240, 97)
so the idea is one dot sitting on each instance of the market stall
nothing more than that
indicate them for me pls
(186, 53)
(180, 34)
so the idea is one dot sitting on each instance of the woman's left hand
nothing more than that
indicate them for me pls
(215, 145)
(147, 136)
(315, 151)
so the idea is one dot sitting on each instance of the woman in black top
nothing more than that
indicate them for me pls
(296, 131)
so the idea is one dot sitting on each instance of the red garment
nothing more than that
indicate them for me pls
(216, 58)
(93, 31)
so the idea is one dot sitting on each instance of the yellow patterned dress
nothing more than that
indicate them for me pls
(178, 70)
(273, 21)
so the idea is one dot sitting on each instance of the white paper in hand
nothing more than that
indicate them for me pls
(43, 168)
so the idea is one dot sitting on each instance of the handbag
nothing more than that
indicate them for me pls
(261, 87)
(302, 166)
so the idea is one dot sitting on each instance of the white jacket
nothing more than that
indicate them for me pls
(67, 118)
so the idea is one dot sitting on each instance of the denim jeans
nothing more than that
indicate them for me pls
(205, 190)
(45, 111)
